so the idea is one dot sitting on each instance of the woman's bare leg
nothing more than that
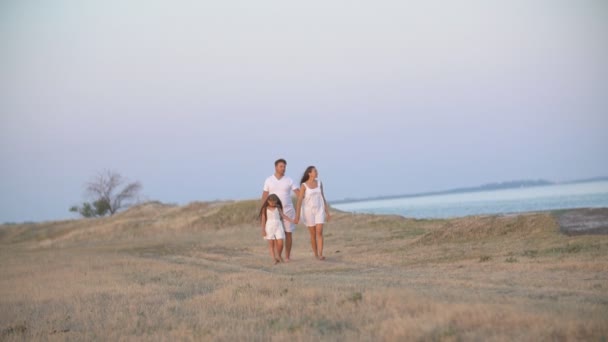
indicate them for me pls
(319, 234)
(313, 240)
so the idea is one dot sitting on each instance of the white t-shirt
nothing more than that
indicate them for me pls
(282, 188)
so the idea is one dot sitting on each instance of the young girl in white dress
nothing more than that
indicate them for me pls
(273, 230)
(314, 209)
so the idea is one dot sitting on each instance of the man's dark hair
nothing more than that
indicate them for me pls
(280, 161)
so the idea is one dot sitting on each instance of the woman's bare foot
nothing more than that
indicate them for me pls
(321, 257)
(281, 259)
(287, 260)
(276, 261)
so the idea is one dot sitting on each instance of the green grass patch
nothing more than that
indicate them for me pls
(405, 233)
(530, 253)
(574, 248)
(356, 297)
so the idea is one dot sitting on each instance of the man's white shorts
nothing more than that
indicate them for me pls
(291, 213)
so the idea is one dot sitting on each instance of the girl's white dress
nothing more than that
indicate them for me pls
(274, 227)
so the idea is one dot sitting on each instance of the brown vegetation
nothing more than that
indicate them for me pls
(202, 272)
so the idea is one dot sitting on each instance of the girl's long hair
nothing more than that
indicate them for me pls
(306, 175)
(271, 198)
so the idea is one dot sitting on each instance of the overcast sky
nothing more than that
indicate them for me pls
(196, 99)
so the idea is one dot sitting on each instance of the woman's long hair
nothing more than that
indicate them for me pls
(271, 198)
(306, 175)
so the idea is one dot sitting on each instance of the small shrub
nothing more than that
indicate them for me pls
(484, 258)
(356, 297)
(511, 259)
(18, 329)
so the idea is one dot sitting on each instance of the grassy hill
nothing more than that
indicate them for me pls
(202, 272)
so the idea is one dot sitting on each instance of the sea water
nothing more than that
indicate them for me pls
(504, 201)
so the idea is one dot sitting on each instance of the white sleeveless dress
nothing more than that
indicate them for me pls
(313, 206)
(274, 227)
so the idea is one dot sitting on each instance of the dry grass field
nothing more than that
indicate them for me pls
(202, 272)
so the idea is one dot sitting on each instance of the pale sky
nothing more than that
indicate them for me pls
(196, 99)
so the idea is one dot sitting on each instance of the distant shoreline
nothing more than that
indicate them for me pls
(486, 187)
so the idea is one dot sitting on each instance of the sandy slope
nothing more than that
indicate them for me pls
(202, 272)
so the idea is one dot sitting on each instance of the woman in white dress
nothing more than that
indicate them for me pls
(313, 207)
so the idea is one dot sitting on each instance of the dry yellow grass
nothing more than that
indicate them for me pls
(202, 272)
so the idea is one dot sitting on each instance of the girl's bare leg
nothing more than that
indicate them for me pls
(313, 240)
(319, 233)
(271, 246)
(279, 246)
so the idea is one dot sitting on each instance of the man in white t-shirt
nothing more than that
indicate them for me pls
(282, 186)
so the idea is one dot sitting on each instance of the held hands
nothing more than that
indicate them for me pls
(288, 219)
(297, 219)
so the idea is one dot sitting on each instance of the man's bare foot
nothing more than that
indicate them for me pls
(276, 261)
(281, 259)
(321, 258)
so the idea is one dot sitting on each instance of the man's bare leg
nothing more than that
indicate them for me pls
(287, 246)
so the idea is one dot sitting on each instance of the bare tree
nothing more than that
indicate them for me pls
(104, 190)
